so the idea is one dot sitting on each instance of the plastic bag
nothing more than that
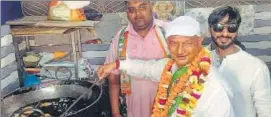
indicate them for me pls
(67, 10)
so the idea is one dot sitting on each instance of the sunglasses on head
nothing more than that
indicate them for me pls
(232, 28)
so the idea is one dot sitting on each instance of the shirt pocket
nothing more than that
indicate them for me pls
(155, 51)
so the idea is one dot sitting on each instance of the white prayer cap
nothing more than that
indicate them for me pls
(183, 26)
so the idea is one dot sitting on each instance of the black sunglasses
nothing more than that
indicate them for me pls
(232, 28)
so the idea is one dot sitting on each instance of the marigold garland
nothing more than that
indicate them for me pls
(187, 90)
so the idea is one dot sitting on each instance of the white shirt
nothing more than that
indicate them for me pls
(214, 102)
(250, 79)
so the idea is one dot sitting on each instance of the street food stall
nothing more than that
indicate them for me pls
(71, 88)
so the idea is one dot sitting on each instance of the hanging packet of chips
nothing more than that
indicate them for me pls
(67, 10)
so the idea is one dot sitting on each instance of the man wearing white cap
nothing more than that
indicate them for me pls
(188, 85)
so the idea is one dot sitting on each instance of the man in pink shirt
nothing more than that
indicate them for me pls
(142, 39)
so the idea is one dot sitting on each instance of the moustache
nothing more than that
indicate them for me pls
(229, 37)
(138, 18)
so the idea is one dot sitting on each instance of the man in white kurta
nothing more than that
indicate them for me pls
(215, 100)
(248, 76)
(250, 81)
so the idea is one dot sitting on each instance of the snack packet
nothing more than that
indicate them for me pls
(67, 10)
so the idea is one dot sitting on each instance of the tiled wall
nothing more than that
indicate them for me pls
(9, 74)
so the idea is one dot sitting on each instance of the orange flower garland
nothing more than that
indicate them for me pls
(165, 99)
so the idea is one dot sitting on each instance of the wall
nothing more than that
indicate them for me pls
(9, 74)
(10, 10)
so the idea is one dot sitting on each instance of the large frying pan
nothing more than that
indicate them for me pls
(56, 89)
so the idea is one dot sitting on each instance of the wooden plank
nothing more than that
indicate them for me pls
(263, 15)
(67, 24)
(9, 79)
(6, 40)
(261, 23)
(259, 45)
(27, 20)
(51, 49)
(92, 54)
(6, 50)
(96, 61)
(247, 38)
(41, 40)
(29, 31)
(262, 30)
(42, 21)
(262, 8)
(5, 30)
(7, 60)
(8, 69)
(259, 52)
(95, 47)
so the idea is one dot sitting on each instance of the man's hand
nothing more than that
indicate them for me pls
(105, 70)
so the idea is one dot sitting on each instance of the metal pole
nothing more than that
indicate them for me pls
(75, 59)
(27, 43)
(79, 42)
(19, 60)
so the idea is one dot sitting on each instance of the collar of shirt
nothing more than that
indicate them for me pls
(217, 61)
(134, 33)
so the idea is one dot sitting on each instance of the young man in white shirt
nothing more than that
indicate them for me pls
(188, 84)
(248, 76)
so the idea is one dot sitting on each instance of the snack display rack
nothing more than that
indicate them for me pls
(28, 26)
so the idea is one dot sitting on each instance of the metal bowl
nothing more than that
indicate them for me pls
(32, 63)
(55, 90)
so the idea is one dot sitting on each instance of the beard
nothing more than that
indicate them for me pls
(223, 47)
